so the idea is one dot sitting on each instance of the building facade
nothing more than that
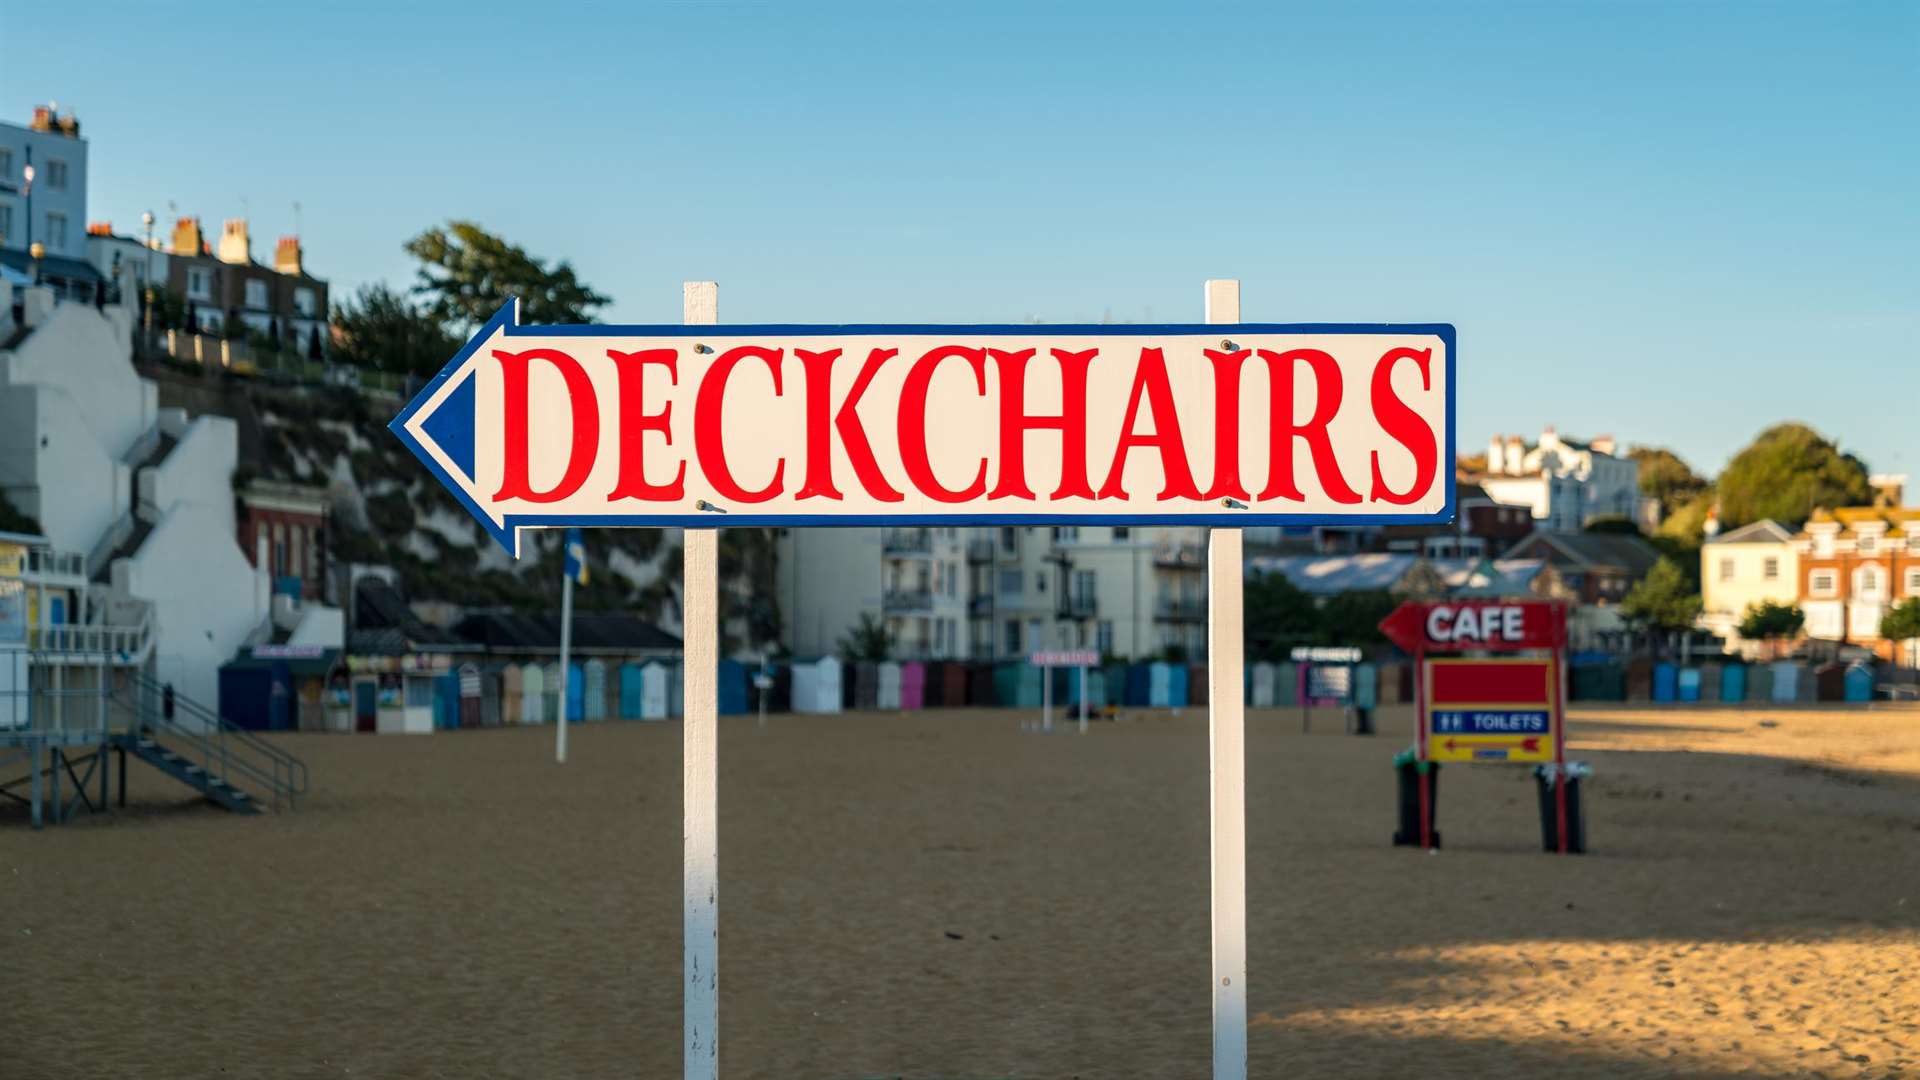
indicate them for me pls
(1855, 563)
(1564, 483)
(43, 201)
(224, 286)
(1738, 569)
(1596, 569)
(282, 529)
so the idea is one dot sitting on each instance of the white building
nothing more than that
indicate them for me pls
(142, 494)
(1565, 484)
(1741, 568)
(43, 201)
(996, 593)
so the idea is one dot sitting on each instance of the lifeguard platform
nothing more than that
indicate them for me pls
(78, 697)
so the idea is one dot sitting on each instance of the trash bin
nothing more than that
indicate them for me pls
(1409, 771)
(1545, 778)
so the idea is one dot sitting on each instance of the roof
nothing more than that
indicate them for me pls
(385, 626)
(1479, 577)
(1764, 531)
(541, 633)
(1591, 550)
(51, 266)
(1325, 575)
(1851, 518)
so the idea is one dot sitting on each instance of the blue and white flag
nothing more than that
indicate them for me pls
(576, 557)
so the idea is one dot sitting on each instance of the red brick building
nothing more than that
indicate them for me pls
(286, 524)
(1855, 563)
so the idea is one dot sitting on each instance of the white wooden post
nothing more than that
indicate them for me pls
(566, 662)
(1046, 697)
(700, 768)
(1226, 727)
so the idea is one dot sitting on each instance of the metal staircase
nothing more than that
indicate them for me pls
(230, 765)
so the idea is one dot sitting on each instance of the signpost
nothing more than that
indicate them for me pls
(1046, 660)
(1218, 424)
(1498, 708)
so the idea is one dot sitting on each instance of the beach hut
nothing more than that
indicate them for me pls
(1179, 690)
(1389, 683)
(594, 686)
(1665, 682)
(676, 687)
(946, 685)
(1639, 679)
(654, 688)
(1026, 685)
(886, 692)
(576, 692)
(913, 685)
(1262, 695)
(551, 705)
(1830, 682)
(1286, 684)
(1733, 684)
(1760, 682)
(533, 694)
(1197, 688)
(1159, 684)
(817, 686)
(469, 684)
(1859, 681)
(510, 694)
(732, 685)
(1366, 686)
(1787, 677)
(1711, 673)
(631, 682)
(1687, 687)
(492, 696)
(980, 684)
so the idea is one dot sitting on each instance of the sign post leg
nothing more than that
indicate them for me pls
(1226, 715)
(700, 768)
(1046, 698)
(1083, 701)
(566, 666)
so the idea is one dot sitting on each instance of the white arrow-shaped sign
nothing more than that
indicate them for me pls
(1253, 424)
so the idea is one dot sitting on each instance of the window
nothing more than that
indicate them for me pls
(56, 174)
(1009, 541)
(1726, 569)
(57, 232)
(1010, 582)
(1820, 583)
(1066, 534)
(6, 220)
(256, 294)
(1120, 532)
(1913, 582)
(1866, 582)
(1770, 570)
(1865, 545)
(7, 175)
(1013, 637)
(1040, 581)
(199, 284)
(1103, 637)
(1083, 584)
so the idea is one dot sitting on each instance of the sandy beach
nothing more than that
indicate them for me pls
(938, 895)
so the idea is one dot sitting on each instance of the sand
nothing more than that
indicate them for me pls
(938, 895)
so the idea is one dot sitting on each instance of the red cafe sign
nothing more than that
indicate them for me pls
(1454, 626)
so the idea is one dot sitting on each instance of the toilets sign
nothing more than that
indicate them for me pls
(698, 426)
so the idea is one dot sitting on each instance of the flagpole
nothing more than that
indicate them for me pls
(566, 666)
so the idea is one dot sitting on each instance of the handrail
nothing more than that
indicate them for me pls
(282, 773)
(90, 639)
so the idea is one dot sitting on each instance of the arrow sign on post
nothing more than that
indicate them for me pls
(1250, 424)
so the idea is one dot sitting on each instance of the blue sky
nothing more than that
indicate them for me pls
(1674, 223)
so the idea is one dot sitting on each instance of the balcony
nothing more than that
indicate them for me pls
(906, 541)
(907, 601)
(1181, 556)
(1181, 609)
(1083, 606)
(980, 551)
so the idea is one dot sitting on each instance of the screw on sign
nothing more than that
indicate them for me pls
(1499, 708)
(701, 425)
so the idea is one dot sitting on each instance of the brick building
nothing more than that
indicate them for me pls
(286, 524)
(224, 285)
(1855, 563)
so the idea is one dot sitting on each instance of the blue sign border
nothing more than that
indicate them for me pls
(507, 322)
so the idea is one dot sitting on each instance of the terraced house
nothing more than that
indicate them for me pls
(1855, 563)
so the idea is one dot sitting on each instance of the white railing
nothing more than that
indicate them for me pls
(120, 643)
(56, 563)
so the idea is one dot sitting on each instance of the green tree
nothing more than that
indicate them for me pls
(1787, 472)
(1279, 615)
(1353, 618)
(466, 273)
(381, 330)
(867, 641)
(1686, 525)
(1613, 524)
(1664, 476)
(1664, 600)
(1901, 621)
(1772, 622)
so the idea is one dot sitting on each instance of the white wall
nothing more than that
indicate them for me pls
(827, 578)
(201, 587)
(70, 200)
(56, 470)
(320, 625)
(86, 355)
(199, 470)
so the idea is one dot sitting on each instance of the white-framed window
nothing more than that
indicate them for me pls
(1066, 534)
(1013, 637)
(1820, 583)
(1865, 545)
(56, 174)
(1040, 581)
(1726, 569)
(1121, 532)
(199, 283)
(1083, 584)
(57, 231)
(1913, 581)
(1770, 569)
(256, 293)
(1103, 637)
(1010, 581)
(1867, 582)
